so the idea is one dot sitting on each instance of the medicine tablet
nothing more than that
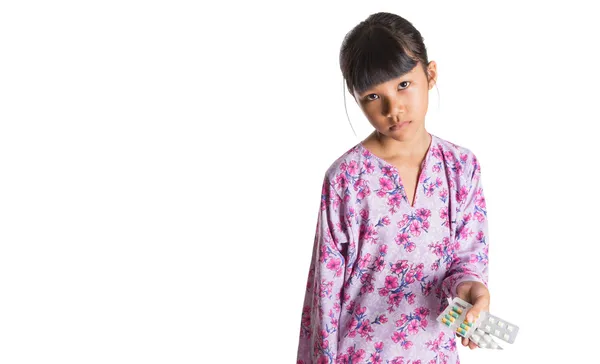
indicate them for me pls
(487, 338)
(501, 324)
(492, 320)
(506, 337)
(497, 332)
(488, 328)
(475, 337)
(510, 328)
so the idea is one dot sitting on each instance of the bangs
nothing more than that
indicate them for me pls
(378, 57)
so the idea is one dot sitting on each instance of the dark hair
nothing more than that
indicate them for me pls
(380, 48)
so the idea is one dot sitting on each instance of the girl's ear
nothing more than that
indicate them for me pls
(432, 74)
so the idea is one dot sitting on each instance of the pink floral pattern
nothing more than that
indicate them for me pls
(382, 270)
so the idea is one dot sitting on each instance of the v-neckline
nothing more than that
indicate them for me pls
(400, 181)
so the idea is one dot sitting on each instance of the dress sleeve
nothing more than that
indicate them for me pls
(470, 262)
(319, 326)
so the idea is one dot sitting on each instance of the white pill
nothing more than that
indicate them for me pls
(492, 320)
(487, 338)
(497, 332)
(501, 324)
(506, 336)
(488, 328)
(510, 328)
(480, 331)
(475, 337)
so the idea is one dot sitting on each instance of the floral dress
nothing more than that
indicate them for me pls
(381, 269)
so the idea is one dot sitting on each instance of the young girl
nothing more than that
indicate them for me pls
(402, 224)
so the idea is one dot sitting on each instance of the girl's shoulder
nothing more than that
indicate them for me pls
(458, 157)
(350, 160)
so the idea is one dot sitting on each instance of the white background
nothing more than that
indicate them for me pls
(161, 166)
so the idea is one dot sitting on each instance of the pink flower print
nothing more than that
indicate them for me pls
(398, 336)
(436, 265)
(395, 299)
(383, 292)
(383, 249)
(386, 220)
(411, 299)
(415, 228)
(379, 264)
(404, 221)
(402, 238)
(480, 200)
(473, 258)
(324, 253)
(443, 194)
(410, 276)
(467, 218)
(399, 266)
(462, 194)
(422, 311)
(364, 261)
(353, 168)
(366, 278)
(394, 200)
(374, 359)
(396, 360)
(391, 282)
(424, 323)
(379, 346)
(413, 327)
(364, 192)
(419, 275)
(425, 225)
(341, 181)
(410, 246)
(429, 190)
(464, 232)
(369, 167)
(449, 156)
(383, 319)
(334, 264)
(436, 168)
(386, 184)
(444, 215)
(381, 193)
(358, 356)
(479, 216)
(407, 345)
(423, 214)
(480, 236)
(463, 158)
(387, 171)
(364, 213)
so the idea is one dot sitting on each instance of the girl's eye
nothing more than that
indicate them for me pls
(403, 82)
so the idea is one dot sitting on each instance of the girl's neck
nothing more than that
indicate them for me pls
(410, 148)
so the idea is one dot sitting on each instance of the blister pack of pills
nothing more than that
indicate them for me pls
(481, 330)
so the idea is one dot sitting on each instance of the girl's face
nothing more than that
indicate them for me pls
(397, 108)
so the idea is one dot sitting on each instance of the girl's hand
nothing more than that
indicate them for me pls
(477, 294)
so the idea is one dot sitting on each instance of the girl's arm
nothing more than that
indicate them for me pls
(319, 328)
